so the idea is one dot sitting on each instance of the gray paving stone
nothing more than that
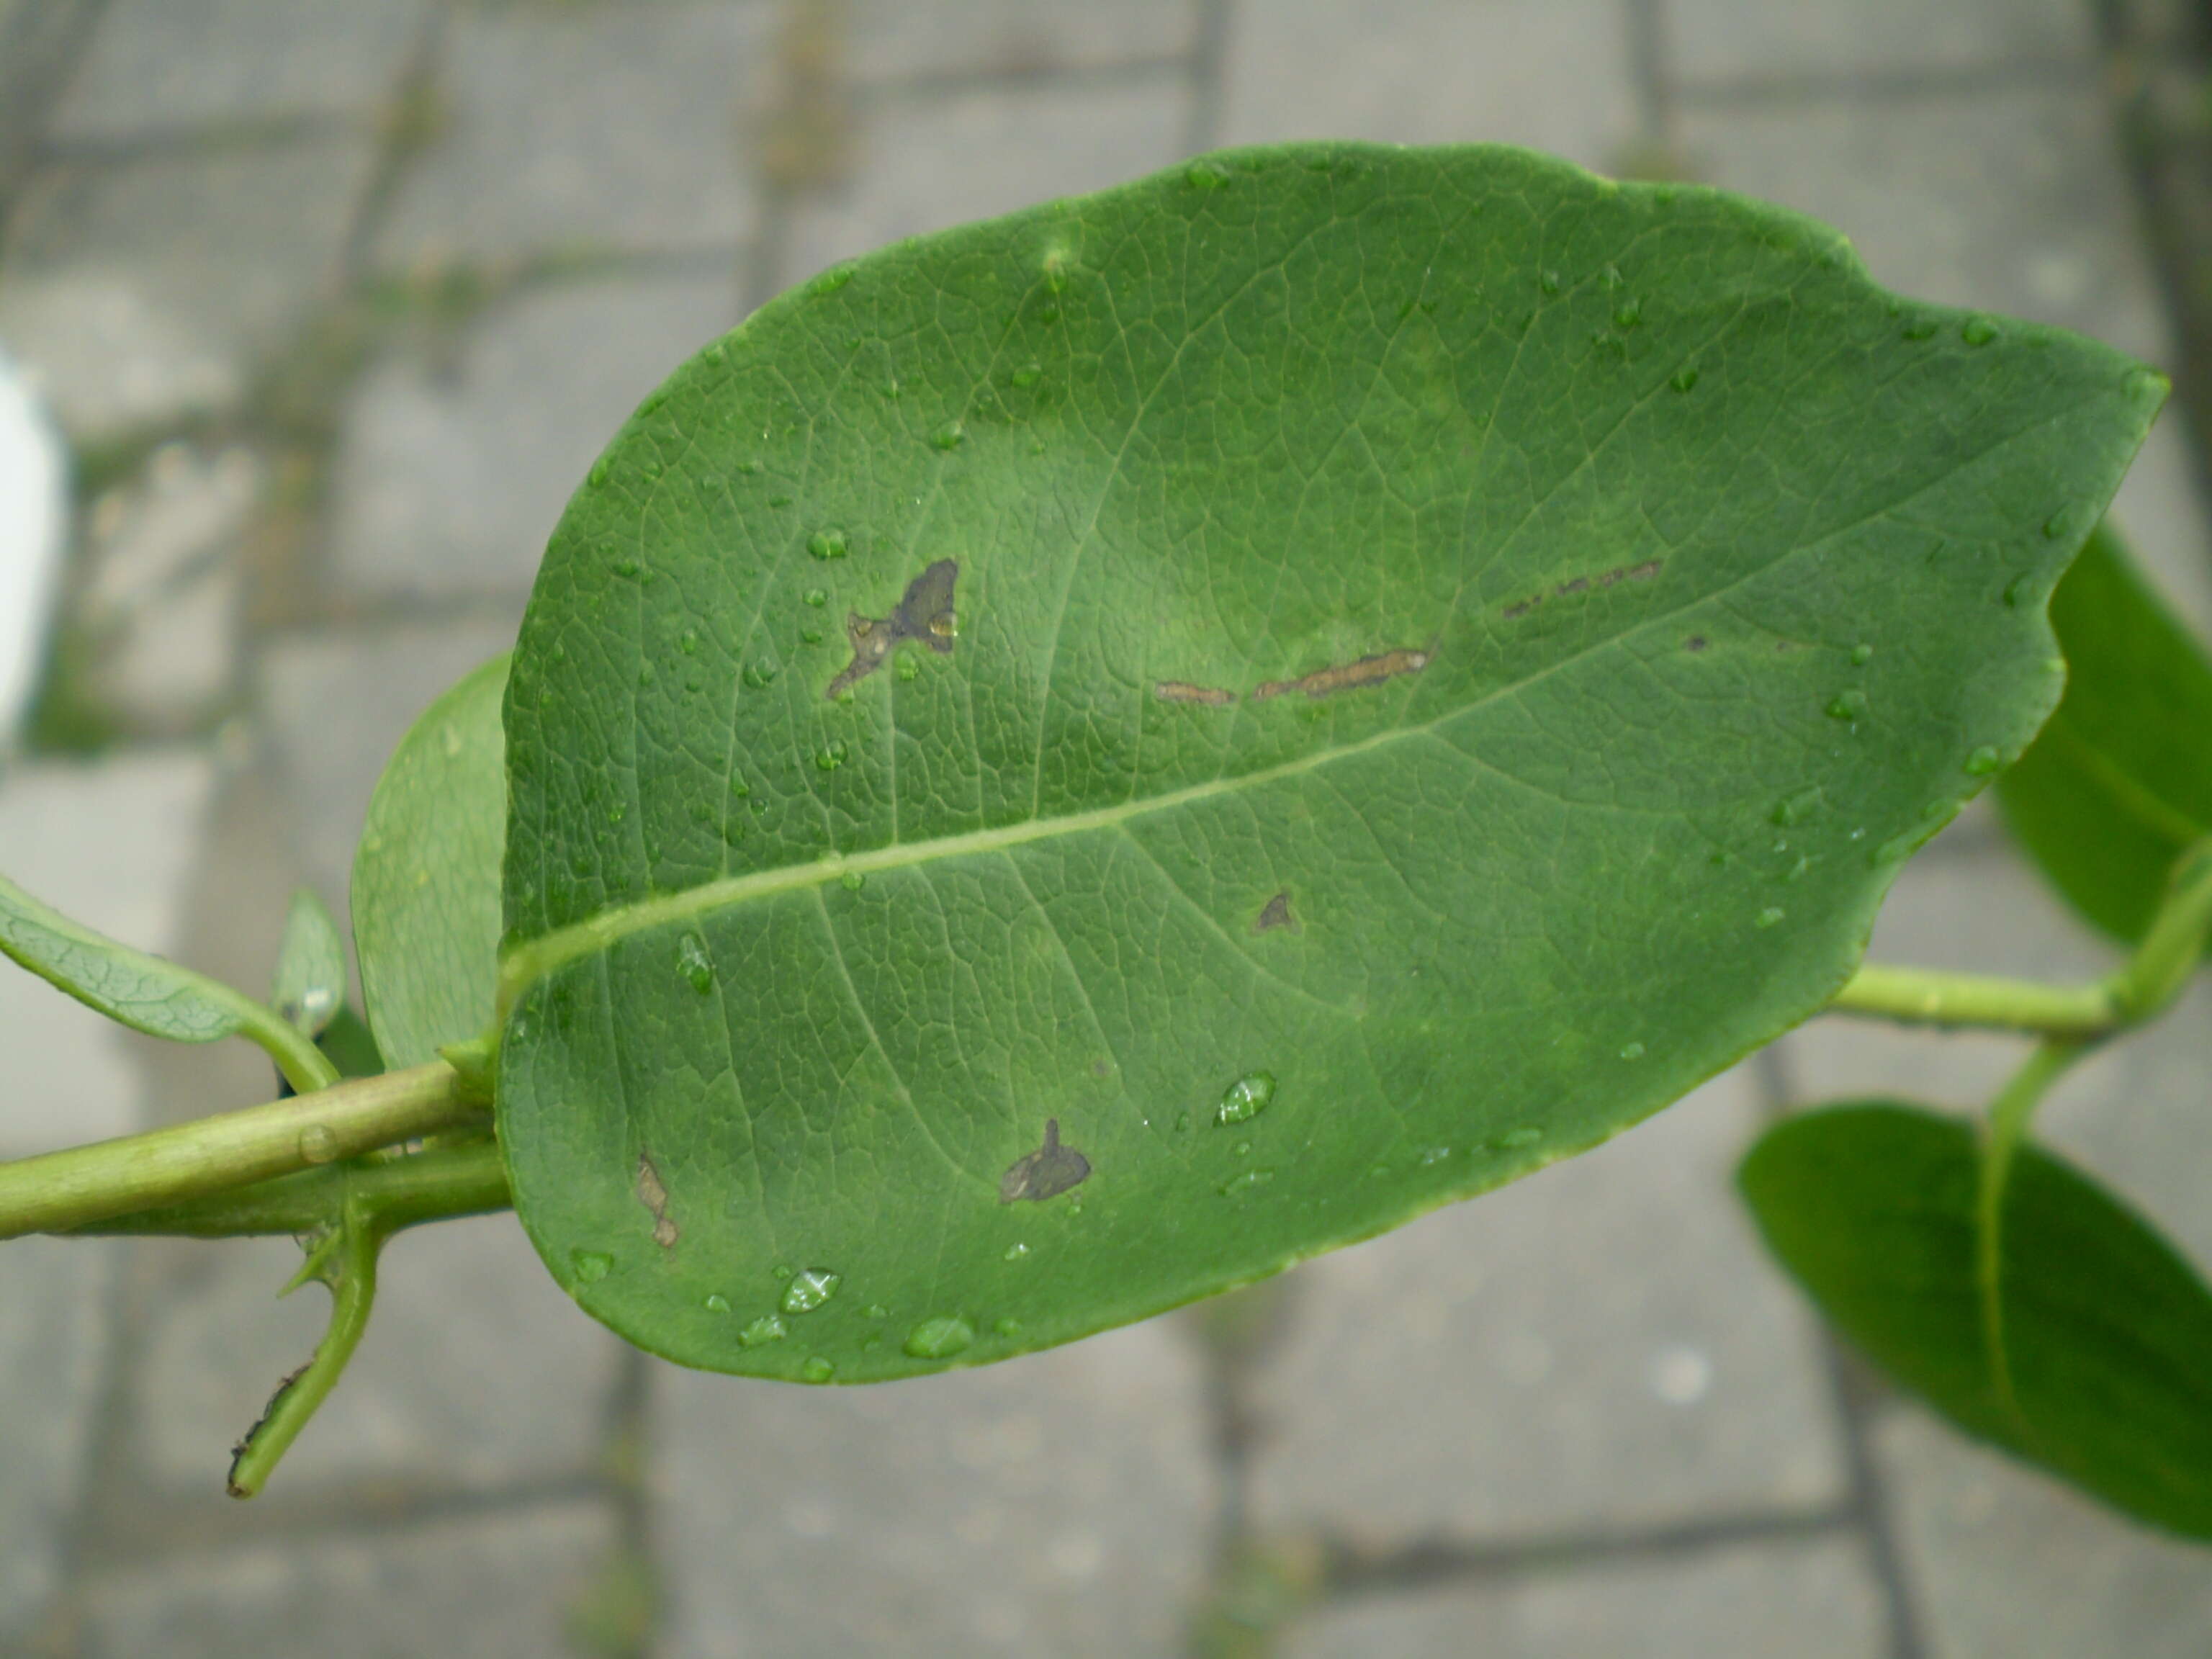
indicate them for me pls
(160, 606)
(107, 844)
(601, 128)
(2009, 200)
(146, 290)
(334, 707)
(924, 164)
(1725, 41)
(1550, 74)
(2003, 1560)
(448, 484)
(1059, 1503)
(2133, 1113)
(1601, 1344)
(491, 1587)
(1811, 1600)
(900, 39)
(156, 66)
(476, 1372)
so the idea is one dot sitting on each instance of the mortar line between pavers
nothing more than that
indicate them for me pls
(1645, 21)
(1352, 1573)
(1868, 1505)
(931, 86)
(1207, 69)
(1785, 91)
(21, 146)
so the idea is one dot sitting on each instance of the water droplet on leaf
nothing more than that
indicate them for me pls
(769, 1328)
(1768, 917)
(1245, 1098)
(319, 1143)
(591, 1266)
(809, 1290)
(1849, 705)
(1984, 761)
(818, 1369)
(951, 435)
(693, 963)
(717, 1303)
(939, 1338)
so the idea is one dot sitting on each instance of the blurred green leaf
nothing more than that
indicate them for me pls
(426, 875)
(149, 993)
(309, 986)
(351, 1045)
(2119, 782)
(2106, 1345)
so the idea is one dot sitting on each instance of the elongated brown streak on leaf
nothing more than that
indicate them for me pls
(653, 1194)
(1045, 1173)
(1213, 696)
(1347, 677)
(1626, 573)
(924, 613)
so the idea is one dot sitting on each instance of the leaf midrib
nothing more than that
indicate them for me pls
(527, 963)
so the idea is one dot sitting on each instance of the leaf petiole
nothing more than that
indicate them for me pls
(2146, 987)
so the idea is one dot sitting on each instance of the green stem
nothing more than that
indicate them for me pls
(304, 1067)
(444, 1182)
(2009, 1114)
(350, 1272)
(62, 1190)
(1929, 996)
(2154, 975)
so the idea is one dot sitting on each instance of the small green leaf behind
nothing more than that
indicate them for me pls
(309, 986)
(351, 1045)
(149, 993)
(426, 876)
(2119, 783)
(2106, 1378)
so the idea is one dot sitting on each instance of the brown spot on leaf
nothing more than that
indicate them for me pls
(1276, 913)
(653, 1195)
(1045, 1173)
(1573, 585)
(1695, 643)
(1213, 696)
(1347, 677)
(924, 613)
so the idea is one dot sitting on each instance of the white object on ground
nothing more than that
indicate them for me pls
(33, 508)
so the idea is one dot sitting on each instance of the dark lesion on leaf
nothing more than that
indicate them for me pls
(1347, 677)
(924, 613)
(653, 1193)
(1574, 584)
(1276, 913)
(1694, 644)
(1214, 696)
(1045, 1173)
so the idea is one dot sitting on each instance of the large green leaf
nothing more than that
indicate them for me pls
(1377, 669)
(426, 875)
(2105, 1331)
(2119, 782)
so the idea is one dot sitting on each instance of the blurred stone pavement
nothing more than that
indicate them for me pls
(337, 300)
